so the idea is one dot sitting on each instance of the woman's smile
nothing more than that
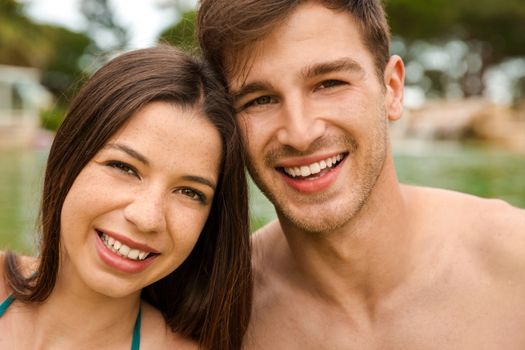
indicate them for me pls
(117, 260)
(125, 247)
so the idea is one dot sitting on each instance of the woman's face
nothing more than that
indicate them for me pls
(135, 212)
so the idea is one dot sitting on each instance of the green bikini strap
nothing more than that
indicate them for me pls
(135, 342)
(6, 303)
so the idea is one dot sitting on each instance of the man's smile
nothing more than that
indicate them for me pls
(314, 169)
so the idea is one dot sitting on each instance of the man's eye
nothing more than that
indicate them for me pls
(330, 83)
(192, 194)
(123, 168)
(263, 100)
(259, 101)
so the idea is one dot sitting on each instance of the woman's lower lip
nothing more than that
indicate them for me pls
(118, 262)
(314, 185)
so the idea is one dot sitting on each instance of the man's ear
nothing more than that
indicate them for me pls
(394, 80)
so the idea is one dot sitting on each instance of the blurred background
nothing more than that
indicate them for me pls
(463, 126)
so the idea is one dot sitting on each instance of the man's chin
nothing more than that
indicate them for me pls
(317, 219)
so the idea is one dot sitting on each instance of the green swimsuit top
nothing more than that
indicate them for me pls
(135, 342)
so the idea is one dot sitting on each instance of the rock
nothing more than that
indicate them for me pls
(474, 118)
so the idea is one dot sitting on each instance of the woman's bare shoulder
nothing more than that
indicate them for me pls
(157, 335)
(176, 341)
(4, 291)
(27, 264)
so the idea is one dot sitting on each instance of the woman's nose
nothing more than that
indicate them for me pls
(147, 211)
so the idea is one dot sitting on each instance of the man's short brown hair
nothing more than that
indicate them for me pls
(227, 28)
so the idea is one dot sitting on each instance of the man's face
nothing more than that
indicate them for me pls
(314, 116)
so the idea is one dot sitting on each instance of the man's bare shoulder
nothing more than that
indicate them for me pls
(491, 230)
(500, 242)
(465, 208)
(266, 243)
(267, 231)
(272, 263)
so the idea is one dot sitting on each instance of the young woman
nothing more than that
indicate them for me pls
(144, 218)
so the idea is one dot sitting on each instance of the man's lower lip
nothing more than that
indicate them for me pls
(118, 262)
(316, 184)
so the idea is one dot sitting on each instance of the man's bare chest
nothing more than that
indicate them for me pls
(456, 321)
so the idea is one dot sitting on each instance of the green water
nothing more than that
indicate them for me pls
(20, 186)
(480, 171)
(485, 172)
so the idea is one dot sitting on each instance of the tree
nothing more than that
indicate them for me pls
(62, 70)
(54, 50)
(182, 34)
(492, 31)
(21, 41)
(102, 27)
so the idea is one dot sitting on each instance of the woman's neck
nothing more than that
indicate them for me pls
(77, 317)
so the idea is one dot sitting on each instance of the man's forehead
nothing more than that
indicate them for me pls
(239, 65)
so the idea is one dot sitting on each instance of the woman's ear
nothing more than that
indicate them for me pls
(394, 80)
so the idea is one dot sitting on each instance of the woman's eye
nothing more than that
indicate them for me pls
(123, 168)
(330, 83)
(192, 194)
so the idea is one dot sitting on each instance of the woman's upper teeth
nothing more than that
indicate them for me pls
(314, 168)
(122, 249)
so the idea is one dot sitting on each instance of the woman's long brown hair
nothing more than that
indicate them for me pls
(207, 298)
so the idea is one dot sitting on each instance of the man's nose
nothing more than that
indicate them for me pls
(301, 125)
(146, 210)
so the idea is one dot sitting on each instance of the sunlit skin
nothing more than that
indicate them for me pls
(150, 187)
(357, 260)
(308, 97)
(153, 183)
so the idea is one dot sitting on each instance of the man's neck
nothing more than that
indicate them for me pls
(367, 258)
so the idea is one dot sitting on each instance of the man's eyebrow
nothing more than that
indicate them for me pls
(201, 180)
(130, 151)
(343, 64)
(340, 65)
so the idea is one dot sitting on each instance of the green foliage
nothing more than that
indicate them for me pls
(416, 19)
(54, 50)
(62, 69)
(51, 118)
(501, 24)
(492, 31)
(182, 33)
(21, 41)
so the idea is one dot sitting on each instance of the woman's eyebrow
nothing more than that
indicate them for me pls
(131, 152)
(201, 180)
(128, 150)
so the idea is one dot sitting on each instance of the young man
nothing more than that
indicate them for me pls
(356, 260)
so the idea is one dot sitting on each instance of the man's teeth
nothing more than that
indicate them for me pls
(314, 168)
(122, 249)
